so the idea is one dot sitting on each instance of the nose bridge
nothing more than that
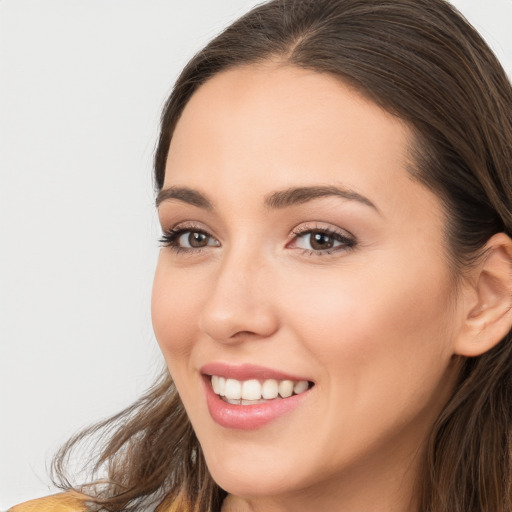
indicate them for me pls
(240, 296)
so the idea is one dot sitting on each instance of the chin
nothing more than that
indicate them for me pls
(253, 484)
(252, 478)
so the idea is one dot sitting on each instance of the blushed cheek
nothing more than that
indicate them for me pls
(349, 321)
(172, 315)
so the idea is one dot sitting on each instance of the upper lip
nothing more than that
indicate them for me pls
(246, 372)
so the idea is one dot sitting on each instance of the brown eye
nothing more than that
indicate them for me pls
(197, 239)
(320, 240)
(188, 239)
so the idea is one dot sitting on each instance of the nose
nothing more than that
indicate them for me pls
(240, 304)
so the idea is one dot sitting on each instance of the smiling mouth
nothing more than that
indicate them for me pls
(254, 391)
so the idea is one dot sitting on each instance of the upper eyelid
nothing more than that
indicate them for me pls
(317, 226)
(184, 228)
(301, 229)
(347, 239)
(187, 226)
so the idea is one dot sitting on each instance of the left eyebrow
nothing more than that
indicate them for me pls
(300, 195)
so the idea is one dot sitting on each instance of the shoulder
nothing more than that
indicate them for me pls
(63, 502)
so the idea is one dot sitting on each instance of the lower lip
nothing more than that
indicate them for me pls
(248, 417)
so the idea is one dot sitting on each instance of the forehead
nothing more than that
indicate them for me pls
(253, 130)
(283, 117)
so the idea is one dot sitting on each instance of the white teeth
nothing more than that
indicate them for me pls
(251, 390)
(233, 402)
(286, 388)
(270, 389)
(233, 389)
(254, 391)
(300, 386)
(215, 384)
(222, 386)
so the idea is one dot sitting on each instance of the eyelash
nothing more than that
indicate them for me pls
(347, 241)
(171, 237)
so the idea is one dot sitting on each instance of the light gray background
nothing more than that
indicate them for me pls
(81, 87)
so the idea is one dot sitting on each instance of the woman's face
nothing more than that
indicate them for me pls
(298, 248)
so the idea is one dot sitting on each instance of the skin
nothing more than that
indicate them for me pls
(373, 325)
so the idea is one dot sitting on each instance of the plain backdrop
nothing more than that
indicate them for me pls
(82, 83)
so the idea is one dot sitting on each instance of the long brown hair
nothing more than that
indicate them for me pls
(421, 61)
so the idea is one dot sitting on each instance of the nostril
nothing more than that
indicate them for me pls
(241, 334)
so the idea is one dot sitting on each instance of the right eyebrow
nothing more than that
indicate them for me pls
(184, 194)
(299, 195)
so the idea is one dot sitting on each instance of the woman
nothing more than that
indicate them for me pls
(333, 296)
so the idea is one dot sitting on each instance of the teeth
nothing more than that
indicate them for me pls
(286, 388)
(215, 384)
(251, 390)
(300, 387)
(270, 389)
(218, 385)
(233, 389)
(254, 391)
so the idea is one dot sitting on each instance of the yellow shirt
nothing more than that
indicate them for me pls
(63, 502)
(72, 502)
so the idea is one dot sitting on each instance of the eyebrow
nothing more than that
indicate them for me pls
(184, 194)
(277, 200)
(300, 195)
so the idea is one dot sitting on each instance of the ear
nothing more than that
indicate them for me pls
(488, 301)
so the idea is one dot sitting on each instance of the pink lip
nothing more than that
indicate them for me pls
(246, 372)
(247, 417)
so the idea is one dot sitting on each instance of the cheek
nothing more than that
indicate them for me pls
(174, 310)
(383, 349)
(376, 331)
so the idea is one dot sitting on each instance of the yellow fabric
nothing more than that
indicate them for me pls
(63, 502)
(70, 502)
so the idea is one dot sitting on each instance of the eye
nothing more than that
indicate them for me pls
(188, 239)
(322, 240)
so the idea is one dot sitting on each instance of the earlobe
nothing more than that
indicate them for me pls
(488, 316)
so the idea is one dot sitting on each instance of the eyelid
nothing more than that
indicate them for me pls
(187, 224)
(347, 239)
(306, 227)
(172, 234)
